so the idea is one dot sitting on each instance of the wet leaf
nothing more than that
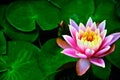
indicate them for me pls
(47, 15)
(51, 59)
(21, 16)
(2, 43)
(78, 10)
(2, 13)
(59, 3)
(107, 13)
(15, 34)
(20, 63)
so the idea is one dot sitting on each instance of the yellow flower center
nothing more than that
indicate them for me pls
(90, 38)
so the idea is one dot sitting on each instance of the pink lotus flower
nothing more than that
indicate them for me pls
(88, 43)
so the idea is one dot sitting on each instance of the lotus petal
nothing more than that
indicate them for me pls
(89, 52)
(94, 27)
(63, 44)
(73, 32)
(116, 36)
(82, 66)
(100, 52)
(109, 51)
(103, 34)
(72, 23)
(101, 26)
(70, 52)
(69, 40)
(98, 62)
(82, 27)
(89, 22)
(106, 41)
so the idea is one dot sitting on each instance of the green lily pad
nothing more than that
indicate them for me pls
(107, 13)
(47, 15)
(21, 15)
(97, 2)
(102, 73)
(114, 57)
(103, 12)
(15, 34)
(118, 10)
(2, 12)
(79, 10)
(51, 59)
(20, 63)
(58, 3)
(2, 43)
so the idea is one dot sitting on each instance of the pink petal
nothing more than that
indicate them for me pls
(103, 34)
(89, 52)
(93, 27)
(109, 51)
(81, 55)
(89, 22)
(101, 26)
(63, 44)
(80, 44)
(116, 36)
(98, 62)
(73, 32)
(73, 23)
(70, 52)
(102, 51)
(106, 41)
(69, 40)
(82, 66)
(82, 27)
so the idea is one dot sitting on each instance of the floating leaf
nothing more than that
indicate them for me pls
(114, 58)
(58, 3)
(20, 62)
(97, 2)
(15, 34)
(21, 15)
(51, 59)
(79, 10)
(2, 43)
(102, 73)
(47, 15)
(107, 13)
(103, 10)
(118, 10)
(2, 12)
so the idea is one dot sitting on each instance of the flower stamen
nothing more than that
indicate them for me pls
(89, 37)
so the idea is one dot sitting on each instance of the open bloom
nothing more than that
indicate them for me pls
(88, 43)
